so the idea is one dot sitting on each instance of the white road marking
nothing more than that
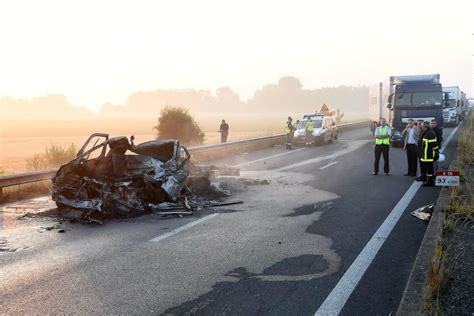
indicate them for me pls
(328, 165)
(351, 146)
(338, 297)
(180, 229)
(269, 157)
(446, 142)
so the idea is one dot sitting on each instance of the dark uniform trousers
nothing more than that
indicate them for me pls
(427, 168)
(382, 150)
(412, 158)
(224, 136)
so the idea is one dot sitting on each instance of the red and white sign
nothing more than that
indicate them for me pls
(447, 178)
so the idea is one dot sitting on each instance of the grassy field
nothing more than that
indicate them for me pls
(15, 150)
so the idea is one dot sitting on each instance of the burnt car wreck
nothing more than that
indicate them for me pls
(114, 178)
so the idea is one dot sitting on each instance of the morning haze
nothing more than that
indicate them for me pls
(112, 66)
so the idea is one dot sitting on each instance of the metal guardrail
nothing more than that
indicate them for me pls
(30, 177)
(24, 178)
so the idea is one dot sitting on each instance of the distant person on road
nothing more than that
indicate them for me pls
(411, 135)
(224, 130)
(382, 146)
(289, 130)
(309, 131)
(373, 126)
(428, 154)
(295, 127)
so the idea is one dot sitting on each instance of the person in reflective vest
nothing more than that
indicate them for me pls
(428, 154)
(382, 136)
(289, 130)
(309, 131)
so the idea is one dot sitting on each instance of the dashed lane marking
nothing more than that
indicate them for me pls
(269, 157)
(180, 229)
(328, 165)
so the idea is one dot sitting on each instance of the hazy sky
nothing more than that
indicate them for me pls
(99, 51)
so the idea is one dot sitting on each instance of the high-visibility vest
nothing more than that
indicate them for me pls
(310, 126)
(287, 130)
(430, 147)
(382, 131)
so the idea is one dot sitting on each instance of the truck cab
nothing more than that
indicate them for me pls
(414, 97)
(453, 106)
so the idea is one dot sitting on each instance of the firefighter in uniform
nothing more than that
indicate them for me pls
(382, 136)
(428, 155)
(309, 131)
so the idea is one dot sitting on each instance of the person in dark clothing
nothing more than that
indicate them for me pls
(439, 138)
(411, 135)
(438, 131)
(224, 130)
(289, 130)
(428, 154)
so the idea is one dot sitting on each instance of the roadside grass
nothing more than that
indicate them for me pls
(25, 191)
(437, 279)
(460, 211)
(52, 157)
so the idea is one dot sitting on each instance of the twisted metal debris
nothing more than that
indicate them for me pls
(127, 180)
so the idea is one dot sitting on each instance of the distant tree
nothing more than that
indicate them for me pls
(290, 83)
(176, 123)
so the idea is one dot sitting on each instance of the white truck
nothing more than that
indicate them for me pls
(453, 105)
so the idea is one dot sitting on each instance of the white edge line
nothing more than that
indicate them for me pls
(328, 165)
(450, 136)
(338, 297)
(269, 157)
(184, 227)
(346, 285)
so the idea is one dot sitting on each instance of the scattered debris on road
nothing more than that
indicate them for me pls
(424, 212)
(4, 247)
(128, 180)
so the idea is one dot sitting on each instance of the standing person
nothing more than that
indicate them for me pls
(411, 134)
(439, 137)
(437, 131)
(421, 129)
(382, 146)
(289, 130)
(419, 126)
(309, 131)
(428, 155)
(224, 130)
(295, 127)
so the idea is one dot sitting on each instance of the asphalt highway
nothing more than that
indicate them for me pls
(284, 251)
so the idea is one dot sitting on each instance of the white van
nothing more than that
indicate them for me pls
(324, 131)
